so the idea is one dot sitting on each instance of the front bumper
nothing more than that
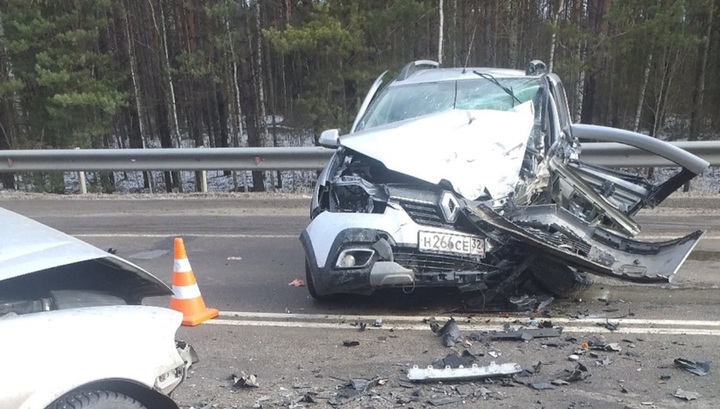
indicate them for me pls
(384, 248)
(167, 382)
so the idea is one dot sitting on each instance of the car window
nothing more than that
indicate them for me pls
(400, 102)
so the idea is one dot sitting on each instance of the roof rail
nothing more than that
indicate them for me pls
(415, 66)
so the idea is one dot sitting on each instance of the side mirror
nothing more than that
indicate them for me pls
(330, 138)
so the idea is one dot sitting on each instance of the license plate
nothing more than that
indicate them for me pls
(453, 243)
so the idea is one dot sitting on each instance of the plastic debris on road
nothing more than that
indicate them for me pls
(450, 332)
(430, 373)
(686, 395)
(297, 283)
(245, 380)
(465, 359)
(699, 368)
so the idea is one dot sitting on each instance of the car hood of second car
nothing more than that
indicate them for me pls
(27, 247)
(474, 150)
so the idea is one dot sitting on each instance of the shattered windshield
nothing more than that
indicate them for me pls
(400, 102)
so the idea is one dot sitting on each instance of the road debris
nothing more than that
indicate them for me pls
(686, 395)
(445, 401)
(527, 334)
(450, 333)
(474, 372)
(361, 326)
(541, 386)
(465, 359)
(378, 323)
(245, 380)
(603, 361)
(297, 283)
(353, 388)
(308, 397)
(600, 345)
(579, 373)
(543, 304)
(700, 368)
(350, 343)
(609, 325)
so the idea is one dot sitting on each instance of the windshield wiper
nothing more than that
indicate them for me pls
(494, 80)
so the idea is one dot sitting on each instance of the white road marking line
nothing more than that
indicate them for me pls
(477, 319)
(201, 235)
(662, 236)
(346, 326)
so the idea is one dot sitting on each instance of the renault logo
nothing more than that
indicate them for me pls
(450, 206)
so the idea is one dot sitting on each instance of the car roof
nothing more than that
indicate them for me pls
(455, 74)
(27, 246)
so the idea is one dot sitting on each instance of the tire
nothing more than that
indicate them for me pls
(96, 400)
(311, 285)
(559, 279)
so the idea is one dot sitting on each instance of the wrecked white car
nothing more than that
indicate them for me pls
(471, 178)
(72, 331)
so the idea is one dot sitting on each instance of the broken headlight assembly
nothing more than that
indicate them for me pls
(356, 195)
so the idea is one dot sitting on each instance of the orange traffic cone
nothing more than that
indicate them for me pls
(186, 296)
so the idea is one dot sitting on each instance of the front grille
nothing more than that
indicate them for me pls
(421, 262)
(575, 245)
(427, 214)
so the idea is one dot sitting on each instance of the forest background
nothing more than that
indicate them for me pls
(220, 73)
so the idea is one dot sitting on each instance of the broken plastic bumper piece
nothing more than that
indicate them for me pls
(430, 373)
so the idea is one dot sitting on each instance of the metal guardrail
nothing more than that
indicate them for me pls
(265, 159)
(69, 160)
(619, 155)
(298, 158)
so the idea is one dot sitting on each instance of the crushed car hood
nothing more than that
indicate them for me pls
(29, 247)
(473, 150)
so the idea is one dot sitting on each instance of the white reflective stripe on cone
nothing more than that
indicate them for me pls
(182, 266)
(186, 292)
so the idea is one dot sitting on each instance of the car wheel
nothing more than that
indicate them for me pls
(96, 400)
(559, 279)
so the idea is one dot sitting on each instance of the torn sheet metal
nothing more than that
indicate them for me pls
(462, 374)
(590, 248)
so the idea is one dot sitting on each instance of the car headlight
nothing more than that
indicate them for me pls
(353, 194)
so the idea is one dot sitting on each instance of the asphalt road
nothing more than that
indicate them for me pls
(244, 251)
